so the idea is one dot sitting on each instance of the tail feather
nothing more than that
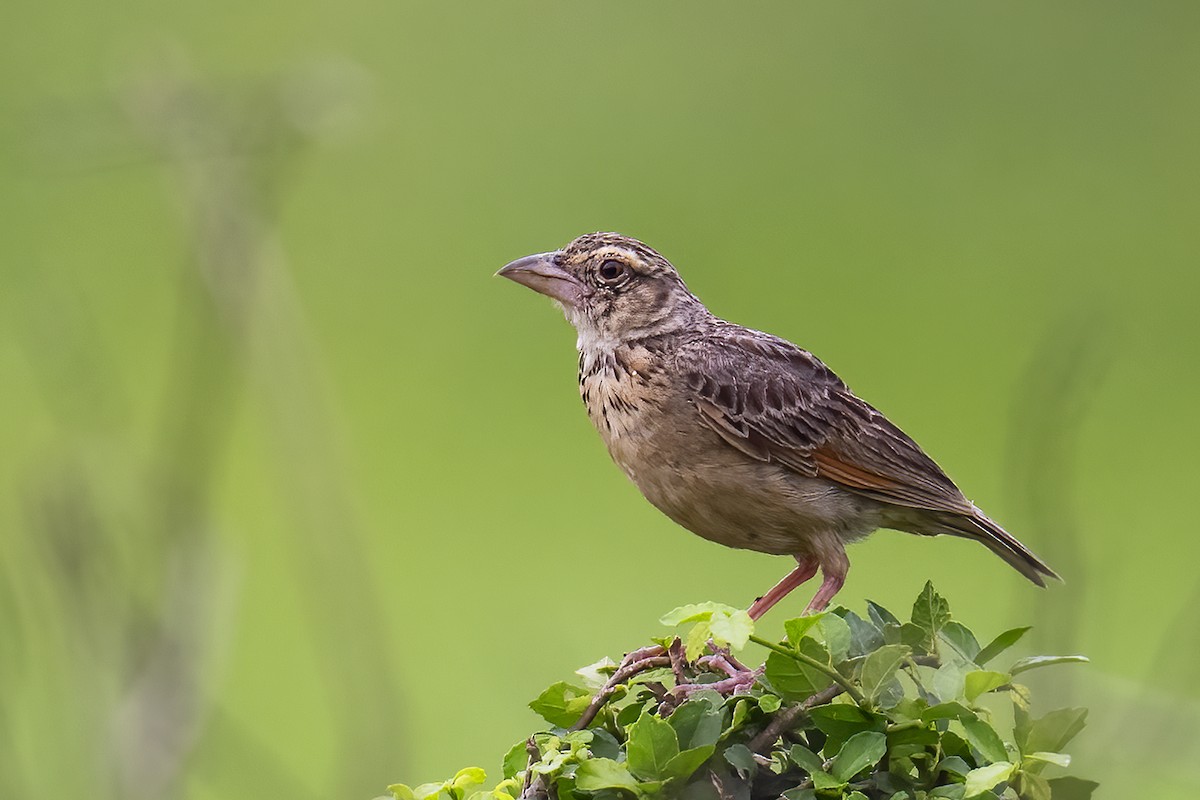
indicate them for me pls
(1003, 544)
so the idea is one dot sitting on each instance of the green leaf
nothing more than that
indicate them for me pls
(949, 681)
(1031, 787)
(954, 766)
(909, 634)
(1033, 662)
(769, 703)
(880, 666)
(430, 789)
(918, 736)
(960, 638)
(596, 675)
(595, 774)
(1072, 788)
(799, 794)
(630, 713)
(837, 637)
(1052, 732)
(797, 629)
(955, 745)
(655, 675)
(652, 743)
(603, 744)
(1058, 759)
(695, 641)
(982, 681)
(880, 615)
(859, 752)
(843, 720)
(930, 612)
(823, 780)
(811, 763)
(952, 792)
(891, 695)
(724, 624)
(909, 709)
(515, 759)
(683, 765)
(1001, 643)
(561, 704)
(806, 759)
(692, 612)
(465, 779)
(551, 762)
(985, 778)
(508, 789)
(741, 711)
(732, 629)
(983, 737)
(864, 636)
(856, 795)
(401, 791)
(742, 759)
(947, 711)
(794, 680)
(697, 723)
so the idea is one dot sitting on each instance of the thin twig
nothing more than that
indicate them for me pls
(620, 676)
(786, 719)
(678, 662)
(535, 785)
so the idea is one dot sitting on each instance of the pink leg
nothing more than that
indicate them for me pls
(835, 576)
(805, 568)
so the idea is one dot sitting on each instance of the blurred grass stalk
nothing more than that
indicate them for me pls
(1145, 731)
(117, 634)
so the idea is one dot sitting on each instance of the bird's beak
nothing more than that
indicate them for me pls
(543, 274)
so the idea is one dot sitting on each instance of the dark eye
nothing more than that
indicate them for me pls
(611, 271)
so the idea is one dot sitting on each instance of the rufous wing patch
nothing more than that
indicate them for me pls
(830, 466)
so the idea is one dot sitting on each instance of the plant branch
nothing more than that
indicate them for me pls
(646, 658)
(786, 719)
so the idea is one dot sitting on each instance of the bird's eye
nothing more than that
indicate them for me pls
(611, 271)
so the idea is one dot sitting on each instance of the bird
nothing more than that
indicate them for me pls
(739, 436)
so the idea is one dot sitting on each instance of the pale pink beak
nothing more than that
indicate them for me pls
(542, 273)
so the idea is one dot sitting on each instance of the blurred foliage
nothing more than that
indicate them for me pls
(847, 707)
(271, 439)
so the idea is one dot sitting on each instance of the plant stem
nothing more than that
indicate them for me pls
(635, 662)
(809, 661)
(784, 720)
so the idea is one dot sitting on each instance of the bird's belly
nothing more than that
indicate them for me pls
(724, 496)
(759, 506)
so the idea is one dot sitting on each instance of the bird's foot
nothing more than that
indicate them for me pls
(738, 678)
(737, 683)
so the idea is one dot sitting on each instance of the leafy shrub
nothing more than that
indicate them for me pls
(846, 706)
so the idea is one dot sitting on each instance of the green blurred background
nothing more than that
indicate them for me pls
(297, 500)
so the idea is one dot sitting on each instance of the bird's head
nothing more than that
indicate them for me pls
(612, 288)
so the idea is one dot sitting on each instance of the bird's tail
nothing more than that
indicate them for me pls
(1002, 543)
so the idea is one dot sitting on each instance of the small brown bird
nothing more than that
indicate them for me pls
(739, 436)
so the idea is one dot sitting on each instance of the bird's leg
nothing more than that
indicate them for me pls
(834, 572)
(806, 567)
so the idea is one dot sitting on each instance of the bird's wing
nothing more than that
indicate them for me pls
(776, 402)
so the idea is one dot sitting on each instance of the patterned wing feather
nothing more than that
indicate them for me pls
(776, 402)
